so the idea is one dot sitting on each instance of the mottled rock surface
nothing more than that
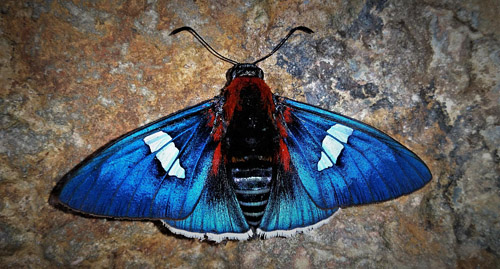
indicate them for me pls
(76, 74)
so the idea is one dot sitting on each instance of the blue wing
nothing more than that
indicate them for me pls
(159, 171)
(219, 218)
(290, 210)
(343, 162)
(335, 162)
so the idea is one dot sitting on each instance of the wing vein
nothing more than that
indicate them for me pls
(303, 123)
(166, 172)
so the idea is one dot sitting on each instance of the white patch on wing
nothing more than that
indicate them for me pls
(157, 140)
(211, 236)
(167, 153)
(177, 170)
(167, 156)
(324, 162)
(331, 145)
(340, 132)
(290, 233)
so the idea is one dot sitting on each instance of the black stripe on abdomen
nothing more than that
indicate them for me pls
(252, 187)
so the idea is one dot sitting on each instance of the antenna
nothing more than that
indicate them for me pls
(299, 28)
(218, 55)
(204, 43)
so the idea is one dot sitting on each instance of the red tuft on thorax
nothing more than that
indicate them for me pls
(233, 91)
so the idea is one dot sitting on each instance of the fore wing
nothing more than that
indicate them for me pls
(159, 171)
(343, 162)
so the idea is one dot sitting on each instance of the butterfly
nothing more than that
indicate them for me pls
(245, 164)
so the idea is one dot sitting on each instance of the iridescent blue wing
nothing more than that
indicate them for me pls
(290, 209)
(334, 162)
(219, 218)
(159, 171)
(343, 162)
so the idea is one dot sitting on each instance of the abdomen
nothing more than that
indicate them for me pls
(251, 182)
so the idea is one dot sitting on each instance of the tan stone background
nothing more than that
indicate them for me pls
(76, 74)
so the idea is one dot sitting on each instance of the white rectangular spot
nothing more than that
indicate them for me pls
(324, 162)
(332, 145)
(177, 170)
(157, 140)
(340, 132)
(332, 149)
(167, 153)
(167, 156)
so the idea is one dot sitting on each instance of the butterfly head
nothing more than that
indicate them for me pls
(243, 70)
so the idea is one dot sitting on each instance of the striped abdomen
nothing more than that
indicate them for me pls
(252, 187)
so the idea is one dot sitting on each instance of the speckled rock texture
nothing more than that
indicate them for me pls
(76, 74)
